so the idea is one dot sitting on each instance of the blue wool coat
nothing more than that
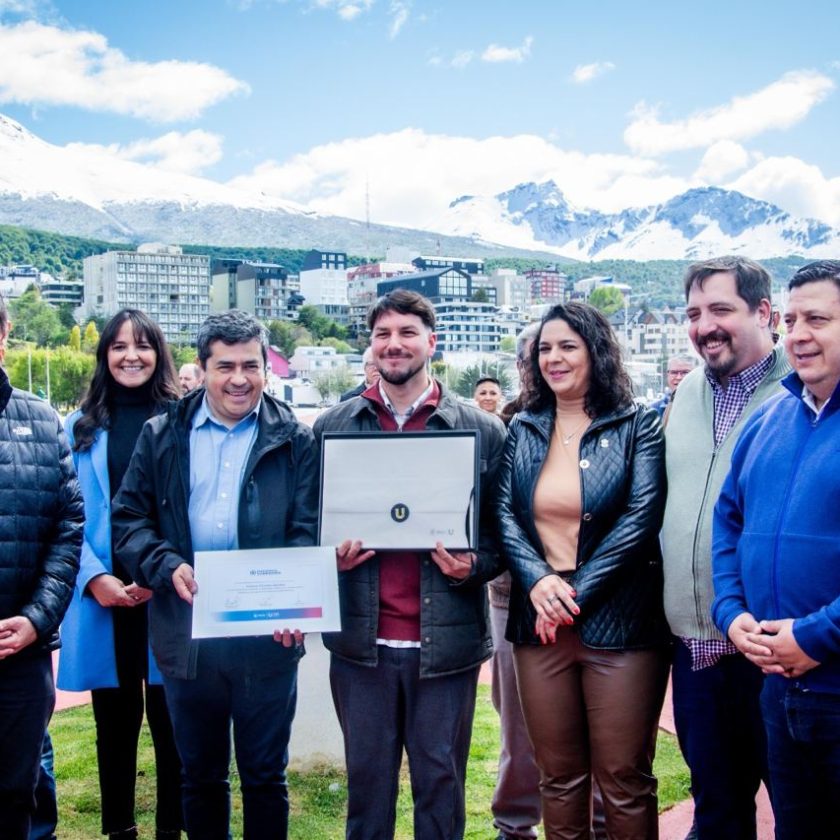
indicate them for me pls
(87, 635)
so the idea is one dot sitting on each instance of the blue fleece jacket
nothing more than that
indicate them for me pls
(776, 538)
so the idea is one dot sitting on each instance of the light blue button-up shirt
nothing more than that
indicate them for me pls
(218, 456)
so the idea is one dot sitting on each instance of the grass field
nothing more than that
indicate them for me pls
(318, 797)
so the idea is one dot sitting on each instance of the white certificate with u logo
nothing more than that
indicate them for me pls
(400, 490)
(253, 592)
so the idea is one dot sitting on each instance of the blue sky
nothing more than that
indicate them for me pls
(416, 102)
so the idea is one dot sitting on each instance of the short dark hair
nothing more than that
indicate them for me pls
(814, 271)
(405, 302)
(231, 327)
(610, 387)
(752, 281)
(481, 380)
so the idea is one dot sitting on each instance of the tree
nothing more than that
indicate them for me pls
(480, 295)
(464, 385)
(70, 373)
(65, 315)
(34, 320)
(91, 338)
(340, 346)
(608, 299)
(507, 344)
(75, 340)
(333, 383)
(281, 334)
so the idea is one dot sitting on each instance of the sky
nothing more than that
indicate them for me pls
(394, 108)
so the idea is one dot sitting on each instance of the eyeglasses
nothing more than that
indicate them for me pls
(678, 372)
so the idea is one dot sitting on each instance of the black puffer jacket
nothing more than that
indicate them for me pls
(619, 565)
(41, 515)
(453, 616)
(278, 507)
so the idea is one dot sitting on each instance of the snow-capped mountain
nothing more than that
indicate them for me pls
(697, 224)
(82, 191)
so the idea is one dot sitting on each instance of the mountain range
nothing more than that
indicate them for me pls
(696, 224)
(86, 191)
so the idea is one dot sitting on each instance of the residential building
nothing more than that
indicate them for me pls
(172, 287)
(471, 265)
(512, 289)
(361, 289)
(58, 290)
(323, 283)
(547, 285)
(266, 290)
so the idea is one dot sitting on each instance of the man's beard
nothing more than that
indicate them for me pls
(723, 365)
(400, 377)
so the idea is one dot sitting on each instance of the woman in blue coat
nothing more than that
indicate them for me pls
(105, 633)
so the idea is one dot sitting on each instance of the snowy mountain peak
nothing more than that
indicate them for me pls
(696, 224)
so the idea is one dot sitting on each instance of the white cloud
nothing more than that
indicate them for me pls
(399, 11)
(494, 53)
(798, 187)
(587, 72)
(345, 9)
(413, 176)
(47, 65)
(722, 160)
(780, 105)
(462, 58)
(189, 152)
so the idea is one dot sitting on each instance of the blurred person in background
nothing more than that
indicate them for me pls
(487, 394)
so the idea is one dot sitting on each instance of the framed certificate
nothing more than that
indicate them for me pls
(400, 490)
(255, 592)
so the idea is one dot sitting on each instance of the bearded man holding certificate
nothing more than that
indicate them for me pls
(404, 668)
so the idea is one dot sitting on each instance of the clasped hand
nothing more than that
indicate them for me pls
(770, 645)
(554, 601)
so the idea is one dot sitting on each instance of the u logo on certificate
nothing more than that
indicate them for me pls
(399, 512)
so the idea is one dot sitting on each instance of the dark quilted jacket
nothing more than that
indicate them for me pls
(619, 564)
(453, 617)
(41, 515)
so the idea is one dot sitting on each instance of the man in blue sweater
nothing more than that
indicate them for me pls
(776, 560)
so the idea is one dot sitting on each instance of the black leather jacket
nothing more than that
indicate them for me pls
(453, 616)
(278, 507)
(619, 565)
(41, 515)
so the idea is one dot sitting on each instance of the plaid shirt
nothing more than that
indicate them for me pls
(729, 406)
(730, 403)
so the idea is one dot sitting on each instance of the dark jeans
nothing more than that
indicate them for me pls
(118, 713)
(45, 818)
(386, 709)
(803, 744)
(27, 697)
(719, 727)
(234, 683)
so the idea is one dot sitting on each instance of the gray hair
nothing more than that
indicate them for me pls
(367, 356)
(524, 338)
(683, 359)
(231, 327)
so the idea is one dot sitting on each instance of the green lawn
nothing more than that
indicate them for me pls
(318, 797)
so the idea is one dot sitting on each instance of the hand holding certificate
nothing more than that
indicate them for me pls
(259, 591)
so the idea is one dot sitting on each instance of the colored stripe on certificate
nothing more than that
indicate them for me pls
(268, 615)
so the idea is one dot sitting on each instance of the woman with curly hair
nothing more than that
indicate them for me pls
(580, 503)
(105, 633)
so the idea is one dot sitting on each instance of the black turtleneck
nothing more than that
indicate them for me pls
(129, 409)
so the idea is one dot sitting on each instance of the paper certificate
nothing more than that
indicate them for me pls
(406, 490)
(255, 592)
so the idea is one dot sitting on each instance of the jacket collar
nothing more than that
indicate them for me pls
(446, 408)
(543, 421)
(794, 384)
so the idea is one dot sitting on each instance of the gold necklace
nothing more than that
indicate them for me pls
(567, 439)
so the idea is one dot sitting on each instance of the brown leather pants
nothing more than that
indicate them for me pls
(591, 712)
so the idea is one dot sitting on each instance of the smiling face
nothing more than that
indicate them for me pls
(813, 336)
(487, 397)
(131, 358)
(401, 346)
(564, 361)
(723, 330)
(234, 378)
